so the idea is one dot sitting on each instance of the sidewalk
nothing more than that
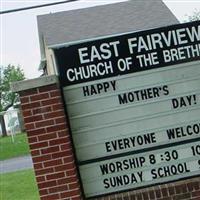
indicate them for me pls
(16, 164)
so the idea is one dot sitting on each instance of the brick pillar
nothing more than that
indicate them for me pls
(49, 139)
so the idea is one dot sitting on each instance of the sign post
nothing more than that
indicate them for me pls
(133, 102)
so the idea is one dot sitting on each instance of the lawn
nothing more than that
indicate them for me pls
(10, 149)
(19, 185)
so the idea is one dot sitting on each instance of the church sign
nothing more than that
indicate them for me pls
(133, 102)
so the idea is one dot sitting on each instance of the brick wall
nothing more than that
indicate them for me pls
(50, 143)
(180, 190)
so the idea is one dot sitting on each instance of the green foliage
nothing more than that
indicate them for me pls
(9, 74)
(10, 149)
(19, 185)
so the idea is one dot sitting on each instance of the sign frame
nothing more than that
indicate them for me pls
(63, 83)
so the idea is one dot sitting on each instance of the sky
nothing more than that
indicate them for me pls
(19, 43)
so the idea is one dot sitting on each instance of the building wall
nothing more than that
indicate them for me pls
(51, 63)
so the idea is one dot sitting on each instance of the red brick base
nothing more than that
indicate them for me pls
(50, 143)
(181, 190)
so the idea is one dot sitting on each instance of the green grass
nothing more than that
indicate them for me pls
(19, 185)
(9, 149)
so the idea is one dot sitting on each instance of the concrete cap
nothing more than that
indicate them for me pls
(33, 83)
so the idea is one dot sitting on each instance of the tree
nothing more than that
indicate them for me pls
(194, 17)
(8, 74)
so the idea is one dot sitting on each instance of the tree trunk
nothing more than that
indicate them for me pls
(3, 126)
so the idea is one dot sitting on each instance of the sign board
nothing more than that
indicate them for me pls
(133, 102)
